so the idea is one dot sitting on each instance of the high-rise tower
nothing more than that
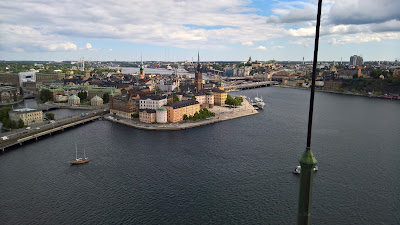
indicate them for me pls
(198, 77)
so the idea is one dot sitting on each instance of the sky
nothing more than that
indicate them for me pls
(174, 30)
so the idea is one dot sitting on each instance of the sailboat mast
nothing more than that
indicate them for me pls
(84, 153)
(76, 152)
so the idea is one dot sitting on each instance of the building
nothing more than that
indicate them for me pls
(100, 91)
(219, 96)
(356, 60)
(49, 76)
(206, 99)
(176, 110)
(198, 76)
(332, 84)
(96, 101)
(161, 115)
(74, 100)
(147, 115)
(167, 87)
(27, 115)
(242, 71)
(8, 94)
(152, 102)
(10, 79)
(122, 105)
(26, 77)
(61, 98)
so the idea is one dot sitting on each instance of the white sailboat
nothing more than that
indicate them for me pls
(79, 160)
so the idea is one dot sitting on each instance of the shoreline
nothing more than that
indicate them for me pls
(332, 91)
(221, 114)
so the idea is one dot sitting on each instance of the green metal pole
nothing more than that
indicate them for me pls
(307, 159)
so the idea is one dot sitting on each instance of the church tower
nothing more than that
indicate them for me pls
(141, 67)
(198, 77)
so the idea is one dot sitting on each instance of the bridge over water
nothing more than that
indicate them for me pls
(18, 138)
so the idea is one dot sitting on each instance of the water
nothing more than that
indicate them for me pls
(237, 171)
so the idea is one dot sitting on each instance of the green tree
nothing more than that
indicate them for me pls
(49, 116)
(176, 99)
(106, 97)
(135, 115)
(21, 91)
(15, 96)
(194, 97)
(4, 113)
(21, 123)
(45, 95)
(13, 124)
(185, 117)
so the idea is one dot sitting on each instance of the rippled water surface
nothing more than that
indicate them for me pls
(233, 172)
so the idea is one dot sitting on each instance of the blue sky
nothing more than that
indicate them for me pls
(174, 30)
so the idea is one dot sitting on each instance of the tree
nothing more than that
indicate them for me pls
(185, 117)
(106, 97)
(194, 97)
(21, 91)
(45, 95)
(49, 116)
(82, 95)
(21, 123)
(135, 115)
(176, 99)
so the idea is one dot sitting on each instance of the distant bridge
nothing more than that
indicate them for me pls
(251, 85)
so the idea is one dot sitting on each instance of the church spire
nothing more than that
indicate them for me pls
(198, 60)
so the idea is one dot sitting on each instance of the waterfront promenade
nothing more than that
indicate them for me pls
(221, 114)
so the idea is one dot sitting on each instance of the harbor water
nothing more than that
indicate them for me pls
(234, 172)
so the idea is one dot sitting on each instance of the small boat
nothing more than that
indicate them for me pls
(258, 102)
(297, 169)
(79, 160)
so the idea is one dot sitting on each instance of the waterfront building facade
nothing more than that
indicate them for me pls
(176, 110)
(74, 100)
(96, 101)
(219, 96)
(152, 102)
(27, 115)
(122, 105)
(10, 79)
(161, 115)
(147, 115)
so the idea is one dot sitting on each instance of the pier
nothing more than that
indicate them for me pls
(249, 85)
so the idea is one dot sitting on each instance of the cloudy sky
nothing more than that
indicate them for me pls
(176, 29)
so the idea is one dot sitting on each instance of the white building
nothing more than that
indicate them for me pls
(26, 77)
(161, 115)
(27, 115)
(152, 102)
(167, 87)
(61, 98)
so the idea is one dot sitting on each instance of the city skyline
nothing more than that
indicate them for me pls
(175, 30)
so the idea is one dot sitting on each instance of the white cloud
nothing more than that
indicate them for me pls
(88, 46)
(110, 49)
(277, 47)
(248, 43)
(261, 48)
(306, 42)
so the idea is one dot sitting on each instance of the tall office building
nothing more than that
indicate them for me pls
(198, 77)
(356, 60)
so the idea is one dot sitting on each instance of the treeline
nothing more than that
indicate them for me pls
(7, 122)
(386, 86)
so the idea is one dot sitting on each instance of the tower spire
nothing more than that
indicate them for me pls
(198, 60)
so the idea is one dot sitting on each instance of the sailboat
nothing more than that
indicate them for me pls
(79, 160)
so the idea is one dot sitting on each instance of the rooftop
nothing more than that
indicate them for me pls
(181, 104)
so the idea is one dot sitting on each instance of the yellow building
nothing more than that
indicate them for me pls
(176, 110)
(219, 96)
(147, 116)
(28, 116)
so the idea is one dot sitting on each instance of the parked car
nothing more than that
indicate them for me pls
(28, 128)
(4, 138)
